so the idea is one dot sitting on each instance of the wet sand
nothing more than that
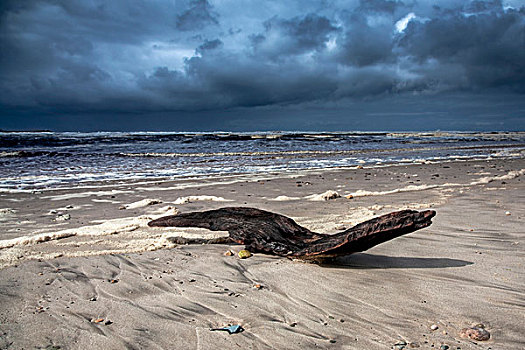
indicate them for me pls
(72, 257)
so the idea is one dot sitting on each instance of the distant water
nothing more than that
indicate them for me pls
(43, 160)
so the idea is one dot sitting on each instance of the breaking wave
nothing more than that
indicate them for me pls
(43, 160)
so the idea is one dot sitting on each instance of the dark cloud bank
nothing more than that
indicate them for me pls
(246, 65)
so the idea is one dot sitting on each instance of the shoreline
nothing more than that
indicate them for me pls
(274, 174)
(472, 254)
(65, 161)
(367, 191)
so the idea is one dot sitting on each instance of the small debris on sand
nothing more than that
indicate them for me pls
(243, 254)
(230, 329)
(228, 253)
(400, 345)
(7, 211)
(434, 327)
(477, 332)
(63, 217)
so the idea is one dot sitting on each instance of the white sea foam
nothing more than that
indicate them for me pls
(104, 201)
(142, 203)
(283, 198)
(9, 154)
(109, 227)
(29, 240)
(364, 193)
(189, 199)
(330, 194)
(251, 153)
(509, 176)
(481, 181)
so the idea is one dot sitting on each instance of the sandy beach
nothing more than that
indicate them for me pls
(203, 174)
(81, 269)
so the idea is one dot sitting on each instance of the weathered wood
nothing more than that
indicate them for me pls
(264, 231)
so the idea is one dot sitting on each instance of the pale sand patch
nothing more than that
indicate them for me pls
(331, 223)
(85, 194)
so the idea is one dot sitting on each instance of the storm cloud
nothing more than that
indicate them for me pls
(197, 16)
(103, 57)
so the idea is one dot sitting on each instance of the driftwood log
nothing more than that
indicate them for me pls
(264, 231)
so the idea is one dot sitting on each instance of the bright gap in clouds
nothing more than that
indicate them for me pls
(331, 44)
(403, 22)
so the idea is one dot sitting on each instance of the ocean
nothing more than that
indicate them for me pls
(36, 161)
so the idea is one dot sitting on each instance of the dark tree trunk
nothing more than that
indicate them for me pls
(263, 231)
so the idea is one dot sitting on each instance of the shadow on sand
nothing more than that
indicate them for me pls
(374, 261)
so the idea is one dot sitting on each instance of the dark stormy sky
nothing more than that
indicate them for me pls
(262, 65)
